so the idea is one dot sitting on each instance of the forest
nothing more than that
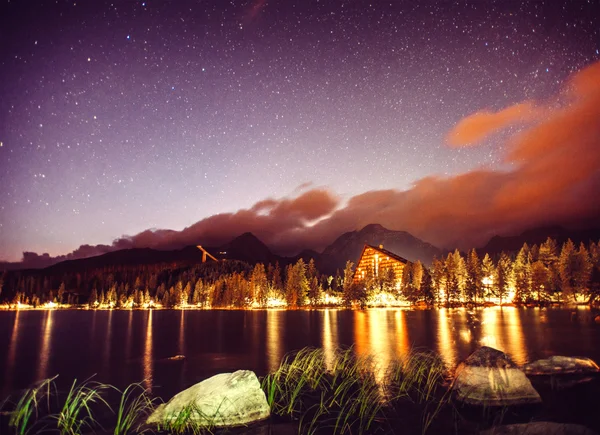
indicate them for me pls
(539, 275)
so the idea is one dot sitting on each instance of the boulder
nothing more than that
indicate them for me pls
(225, 400)
(539, 428)
(562, 365)
(489, 377)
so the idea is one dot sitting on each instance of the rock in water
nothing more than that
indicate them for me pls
(225, 400)
(562, 365)
(489, 377)
(539, 428)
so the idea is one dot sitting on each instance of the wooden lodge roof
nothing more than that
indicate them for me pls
(384, 252)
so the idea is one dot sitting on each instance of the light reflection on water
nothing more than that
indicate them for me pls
(330, 336)
(45, 350)
(130, 346)
(12, 347)
(274, 346)
(514, 340)
(445, 348)
(148, 360)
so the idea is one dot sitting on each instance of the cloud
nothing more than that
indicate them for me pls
(480, 125)
(554, 179)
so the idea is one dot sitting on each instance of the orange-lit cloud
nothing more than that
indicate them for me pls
(480, 125)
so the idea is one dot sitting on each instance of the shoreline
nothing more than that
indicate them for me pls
(86, 307)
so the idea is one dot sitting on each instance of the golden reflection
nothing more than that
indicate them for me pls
(490, 329)
(274, 327)
(361, 340)
(129, 334)
(446, 347)
(513, 333)
(402, 340)
(181, 333)
(108, 340)
(12, 347)
(45, 351)
(465, 332)
(372, 338)
(330, 337)
(148, 354)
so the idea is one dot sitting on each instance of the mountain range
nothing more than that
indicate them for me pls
(348, 246)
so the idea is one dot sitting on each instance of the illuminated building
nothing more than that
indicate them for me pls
(375, 261)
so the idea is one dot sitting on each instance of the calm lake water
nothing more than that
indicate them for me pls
(121, 347)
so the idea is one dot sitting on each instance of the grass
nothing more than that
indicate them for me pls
(189, 420)
(25, 418)
(41, 409)
(76, 414)
(134, 408)
(342, 394)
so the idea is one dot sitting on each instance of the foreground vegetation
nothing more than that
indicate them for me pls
(310, 393)
(343, 394)
(539, 275)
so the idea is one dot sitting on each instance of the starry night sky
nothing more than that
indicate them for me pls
(117, 117)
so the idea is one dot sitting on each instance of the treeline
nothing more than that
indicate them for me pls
(229, 283)
(537, 274)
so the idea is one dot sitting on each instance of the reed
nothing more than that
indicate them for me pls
(24, 419)
(344, 395)
(134, 408)
(76, 413)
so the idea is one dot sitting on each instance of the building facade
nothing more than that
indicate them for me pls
(376, 261)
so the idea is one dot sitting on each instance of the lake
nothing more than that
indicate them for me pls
(121, 347)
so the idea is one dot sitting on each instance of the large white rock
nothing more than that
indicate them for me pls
(489, 377)
(225, 400)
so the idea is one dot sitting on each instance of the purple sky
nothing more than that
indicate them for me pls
(117, 117)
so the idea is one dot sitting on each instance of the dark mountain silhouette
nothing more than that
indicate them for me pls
(536, 236)
(248, 248)
(349, 247)
(130, 257)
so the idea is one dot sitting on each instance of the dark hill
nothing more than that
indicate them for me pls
(248, 248)
(536, 236)
(349, 247)
(129, 257)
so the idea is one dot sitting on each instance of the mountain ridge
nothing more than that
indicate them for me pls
(348, 246)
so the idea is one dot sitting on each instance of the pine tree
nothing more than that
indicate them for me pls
(258, 284)
(426, 288)
(583, 272)
(438, 276)
(348, 275)
(502, 277)
(314, 288)
(61, 292)
(408, 291)
(567, 267)
(488, 272)
(276, 282)
(594, 286)
(548, 255)
(185, 295)
(473, 277)
(296, 285)
(521, 275)
(539, 281)
(93, 298)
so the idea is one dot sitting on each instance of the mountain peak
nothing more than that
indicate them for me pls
(349, 246)
(373, 228)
